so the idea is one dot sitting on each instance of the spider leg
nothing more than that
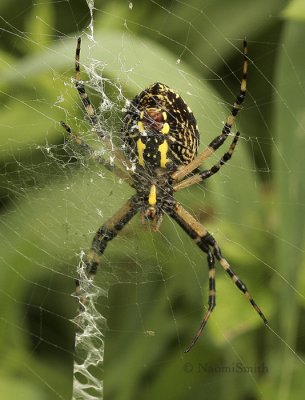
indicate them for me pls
(212, 294)
(95, 156)
(209, 172)
(84, 96)
(90, 110)
(100, 241)
(207, 243)
(226, 130)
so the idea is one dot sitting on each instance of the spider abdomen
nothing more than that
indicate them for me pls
(159, 129)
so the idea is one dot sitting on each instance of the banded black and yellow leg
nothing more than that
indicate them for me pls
(238, 282)
(100, 241)
(226, 130)
(206, 242)
(84, 96)
(212, 293)
(225, 158)
(209, 172)
(96, 156)
(197, 232)
(79, 141)
(97, 127)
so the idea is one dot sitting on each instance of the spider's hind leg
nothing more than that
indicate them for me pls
(237, 281)
(207, 243)
(212, 293)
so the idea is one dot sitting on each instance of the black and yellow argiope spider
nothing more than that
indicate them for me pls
(161, 140)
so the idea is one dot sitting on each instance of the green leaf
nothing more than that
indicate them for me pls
(295, 10)
(289, 161)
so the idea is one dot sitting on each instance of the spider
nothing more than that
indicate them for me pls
(160, 139)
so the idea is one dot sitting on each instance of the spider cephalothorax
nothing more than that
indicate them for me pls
(161, 140)
(155, 194)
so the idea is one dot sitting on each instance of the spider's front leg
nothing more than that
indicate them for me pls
(100, 241)
(96, 156)
(201, 176)
(226, 130)
(208, 244)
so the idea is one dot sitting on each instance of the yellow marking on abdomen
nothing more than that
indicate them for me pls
(152, 199)
(163, 149)
(140, 126)
(165, 128)
(140, 147)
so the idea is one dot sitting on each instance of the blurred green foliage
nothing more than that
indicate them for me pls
(53, 200)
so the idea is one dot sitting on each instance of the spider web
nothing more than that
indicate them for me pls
(148, 297)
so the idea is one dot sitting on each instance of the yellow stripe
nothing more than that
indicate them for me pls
(141, 147)
(140, 126)
(165, 128)
(152, 199)
(163, 148)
